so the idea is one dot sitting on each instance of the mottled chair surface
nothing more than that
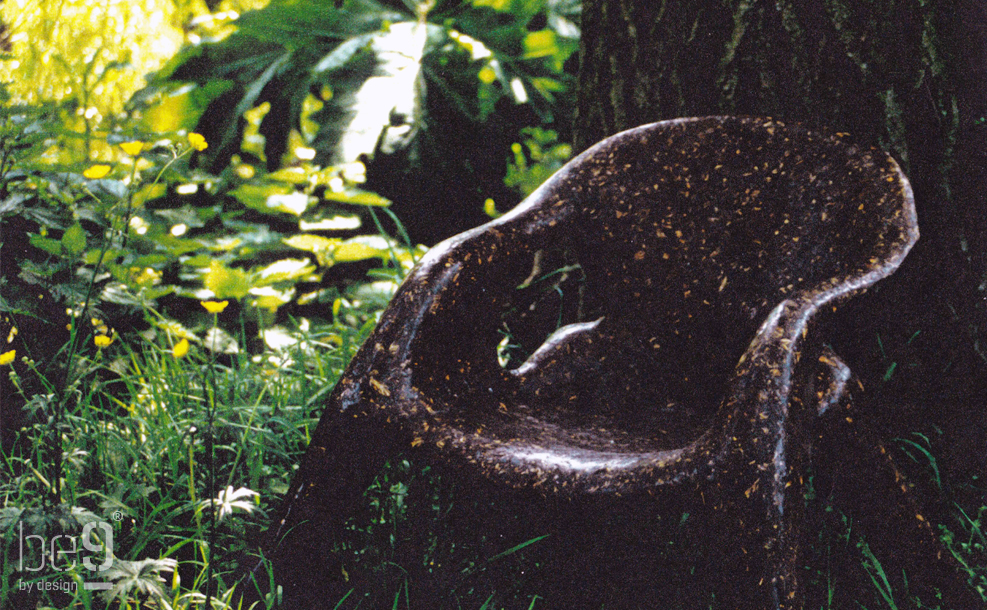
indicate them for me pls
(707, 246)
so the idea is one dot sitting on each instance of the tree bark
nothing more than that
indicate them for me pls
(906, 76)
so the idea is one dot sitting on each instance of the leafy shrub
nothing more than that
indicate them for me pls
(428, 94)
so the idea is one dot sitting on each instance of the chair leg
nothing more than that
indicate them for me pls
(757, 504)
(345, 455)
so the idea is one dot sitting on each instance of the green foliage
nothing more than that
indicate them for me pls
(146, 227)
(319, 72)
(541, 156)
(89, 55)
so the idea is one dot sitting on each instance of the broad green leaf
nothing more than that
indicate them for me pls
(177, 246)
(361, 248)
(292, 203)
(334, 250)
(311, 243)
(198, 261)
(74, 239)
(148, 193)
(272, 198)
(285, 270)
(182, 107)
(351, 252)
(322, 247)
(270, 298)
(497, 5)
(291, 175)
(255, 195)
(332, 223)
(342, 54)
(540, 44)
(357, 197)
(51, 246)
(226, 282)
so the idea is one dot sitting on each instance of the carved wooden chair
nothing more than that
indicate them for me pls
(708, 246)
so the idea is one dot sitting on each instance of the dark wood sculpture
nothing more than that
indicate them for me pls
(708, 247)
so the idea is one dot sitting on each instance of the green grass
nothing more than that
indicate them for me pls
(187, 458)
(157, 445)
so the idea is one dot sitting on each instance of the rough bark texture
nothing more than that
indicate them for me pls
(908, 76)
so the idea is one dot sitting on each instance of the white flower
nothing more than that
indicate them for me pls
(230, 500)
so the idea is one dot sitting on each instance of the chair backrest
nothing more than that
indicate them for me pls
(689, 232)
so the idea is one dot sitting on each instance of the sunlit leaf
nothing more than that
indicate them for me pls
(285, 270)
(226, 282)
(346, 253)
(291, 175)
(181, 108)
(188, 215)
(270, 298)
(51, 246)
(357, 197)
(332, 223)
(74, 239)
(360, 248)
(292, 203)
(149, 192)
(540, 44)
(272, 198)
(321, 247)
(342, 54)
(178, 246)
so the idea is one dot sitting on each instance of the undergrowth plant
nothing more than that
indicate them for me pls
(146, 446)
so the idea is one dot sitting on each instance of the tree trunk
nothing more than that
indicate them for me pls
(909, 77)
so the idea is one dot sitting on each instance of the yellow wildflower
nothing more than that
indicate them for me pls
(7, 357)
(215, 306)
(132, 148)
(102, 341)
(487, 75)
(96, 172)
(180, 349)
(198, 141)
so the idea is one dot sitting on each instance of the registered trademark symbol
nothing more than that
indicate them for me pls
(117, 515)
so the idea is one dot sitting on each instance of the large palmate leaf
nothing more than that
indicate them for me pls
(353, 79)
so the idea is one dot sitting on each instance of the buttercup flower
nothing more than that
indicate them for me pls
(102, 341)
(215, 306)
(198, 141)
(132, 148)
(7, 357)
(96, 172)
(180, 349)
